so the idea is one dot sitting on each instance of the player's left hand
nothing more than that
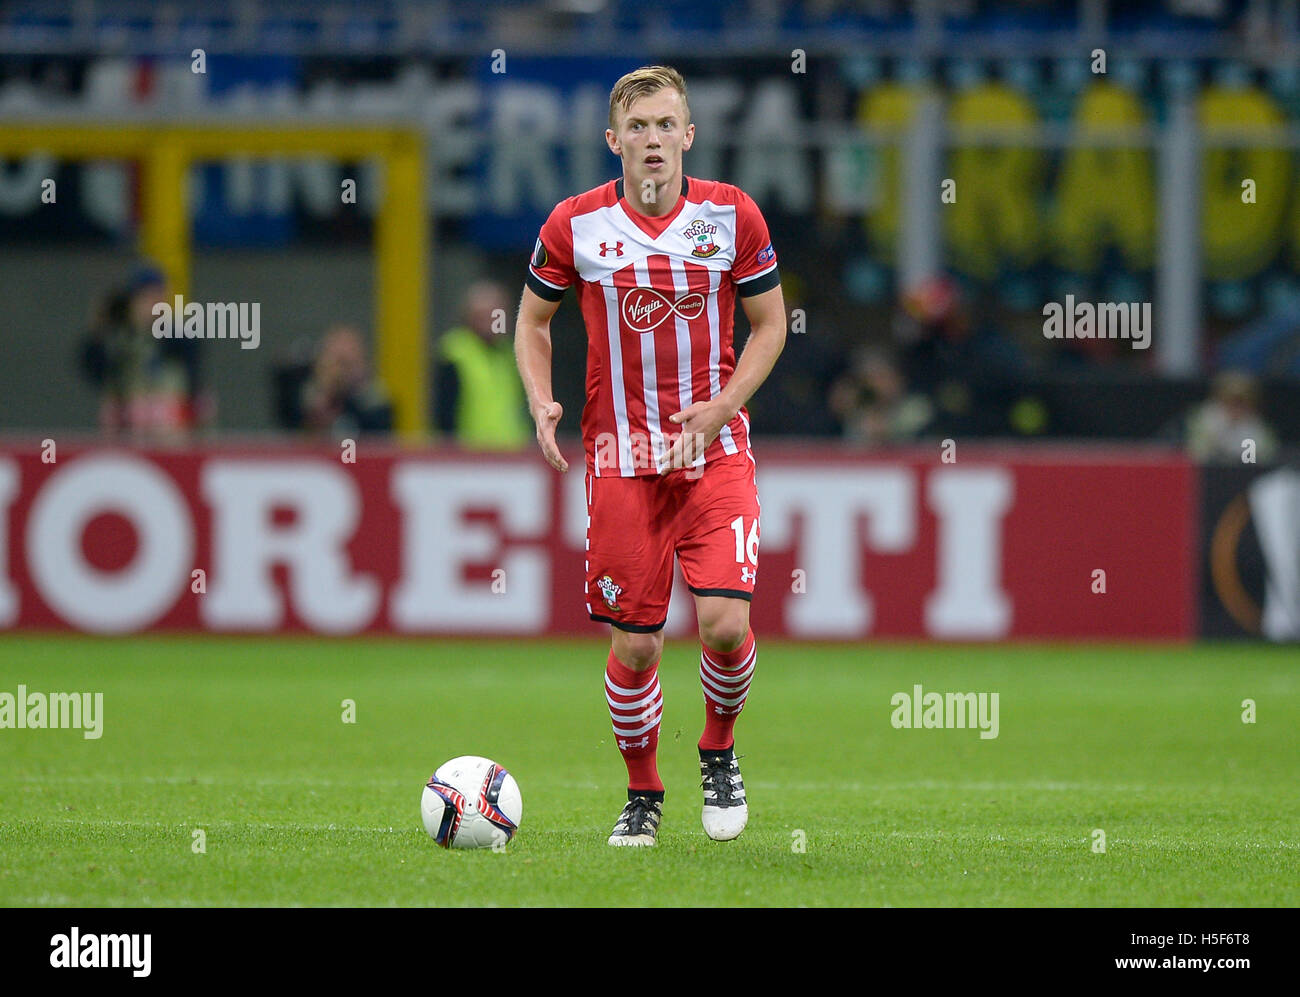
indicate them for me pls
(700, 424)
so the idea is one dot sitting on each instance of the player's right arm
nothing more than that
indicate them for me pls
(550, 272)
(533, 355)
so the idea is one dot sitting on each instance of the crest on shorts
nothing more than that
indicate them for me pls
(611, 592)
(701, 235)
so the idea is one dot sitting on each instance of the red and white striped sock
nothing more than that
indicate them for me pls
(725, 677)
(636, 706)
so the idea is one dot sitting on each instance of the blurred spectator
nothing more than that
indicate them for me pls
(973, 377)
(478, 398)
(872, 403)
(149, 386)
(1218, 428)
(1270, 345)
(341, 398)
(793, 398)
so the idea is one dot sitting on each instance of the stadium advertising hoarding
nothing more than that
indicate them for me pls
(993, 545)
(1250, 571)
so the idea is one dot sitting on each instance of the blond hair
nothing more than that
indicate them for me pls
(641, 83)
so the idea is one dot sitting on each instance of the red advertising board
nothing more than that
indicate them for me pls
(1044, 543)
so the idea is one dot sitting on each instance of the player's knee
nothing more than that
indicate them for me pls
(726, 631)
(638, 651)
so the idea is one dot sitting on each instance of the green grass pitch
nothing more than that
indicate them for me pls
(243, 738)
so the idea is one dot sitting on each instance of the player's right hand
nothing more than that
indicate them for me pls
(547, 418)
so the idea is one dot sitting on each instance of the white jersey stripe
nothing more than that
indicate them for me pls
(680, 287)
(612, 325)
(649, 375)
(715, 352)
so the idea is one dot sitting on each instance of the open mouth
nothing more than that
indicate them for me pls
(654, 160)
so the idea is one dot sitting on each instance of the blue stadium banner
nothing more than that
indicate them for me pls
(543, 122)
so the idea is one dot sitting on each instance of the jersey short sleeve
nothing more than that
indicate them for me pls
(755, 268)
(551, 270)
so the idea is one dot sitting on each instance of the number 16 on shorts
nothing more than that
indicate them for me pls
(746, 548)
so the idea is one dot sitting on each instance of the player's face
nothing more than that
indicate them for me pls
(652, 135)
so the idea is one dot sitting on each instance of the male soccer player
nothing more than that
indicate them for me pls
(658, 259)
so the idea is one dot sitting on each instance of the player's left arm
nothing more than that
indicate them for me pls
(702, 421)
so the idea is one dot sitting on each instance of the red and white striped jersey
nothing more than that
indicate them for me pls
(658, 299)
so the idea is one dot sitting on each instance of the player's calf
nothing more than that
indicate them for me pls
(636, 706)
(725, 677)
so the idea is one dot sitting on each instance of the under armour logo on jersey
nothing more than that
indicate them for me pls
(616, 249)
(748, 576)
(643, 743)
(645, 309)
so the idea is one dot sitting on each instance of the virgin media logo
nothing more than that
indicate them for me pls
(645, 309)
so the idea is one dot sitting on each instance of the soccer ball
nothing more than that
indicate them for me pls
(471, 802)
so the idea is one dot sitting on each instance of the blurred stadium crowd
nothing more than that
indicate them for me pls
(907, 323)
(396, 25)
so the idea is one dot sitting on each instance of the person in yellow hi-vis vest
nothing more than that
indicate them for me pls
(478, 399)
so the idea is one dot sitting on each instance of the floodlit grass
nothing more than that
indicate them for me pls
(243, 739)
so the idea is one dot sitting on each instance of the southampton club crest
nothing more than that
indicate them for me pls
(701, 235)
(611, 593)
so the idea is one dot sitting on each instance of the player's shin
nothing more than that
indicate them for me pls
(635, 708)
(725, 678)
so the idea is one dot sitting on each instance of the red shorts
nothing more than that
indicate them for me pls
(636, 525)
